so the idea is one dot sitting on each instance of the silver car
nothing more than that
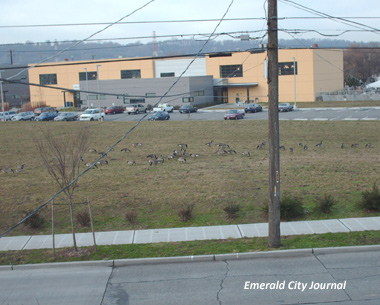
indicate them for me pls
(66, 116)
(24, 116)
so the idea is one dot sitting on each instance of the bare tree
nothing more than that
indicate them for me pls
(61, 155)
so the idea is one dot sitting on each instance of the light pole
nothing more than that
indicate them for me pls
(85, 69)
(295, 82)
(97, 82)
(2, 97)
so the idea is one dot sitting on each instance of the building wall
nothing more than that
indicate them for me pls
(150, 90)
(178, 66)
(68, 77)
(317, 70)
(15, 94)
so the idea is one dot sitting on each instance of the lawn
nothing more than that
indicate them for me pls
(155, 194)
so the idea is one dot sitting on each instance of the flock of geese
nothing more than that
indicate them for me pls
(181, 154)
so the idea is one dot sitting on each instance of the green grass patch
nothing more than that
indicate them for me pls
(188, 248)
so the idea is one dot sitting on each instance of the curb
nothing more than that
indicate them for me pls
(197, 258)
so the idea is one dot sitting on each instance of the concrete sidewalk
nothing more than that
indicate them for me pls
(189, 233)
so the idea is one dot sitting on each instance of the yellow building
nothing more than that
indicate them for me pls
(237, 77)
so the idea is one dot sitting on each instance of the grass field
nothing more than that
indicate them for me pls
(209, 182)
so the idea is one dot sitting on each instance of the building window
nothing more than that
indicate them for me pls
(231, 71)
(167, 74)
(287, 68)
(187, 99)
(130, 74)
(48, 79)
(90, 75)
(137, 100)
(198, 93)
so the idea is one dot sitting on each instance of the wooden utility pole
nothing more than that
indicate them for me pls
(274, 236)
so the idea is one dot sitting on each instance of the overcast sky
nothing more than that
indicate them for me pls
(43, 12)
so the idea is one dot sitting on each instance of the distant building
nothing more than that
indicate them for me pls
(228, 77)
(15, 94)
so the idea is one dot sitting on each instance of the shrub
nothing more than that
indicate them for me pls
(371, 200)
(325, 204)
(291, 208)
(35, 221)
(131, 217)
(186, 212)
(232, 210)
(83, 218)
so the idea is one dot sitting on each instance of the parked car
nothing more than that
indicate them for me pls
(253, 108)
(43, 109)
(24, 116)
(113, 110)
(135, 108)
(163, 107)
(241, 111)
(187, 109)
(285, 107)
(92, 115)
(47, 116)
(66, 116)
(233, 114)
(7, 115)
(160, 116)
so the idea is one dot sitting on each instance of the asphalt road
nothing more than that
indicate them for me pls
(348, 278)
(322, 114)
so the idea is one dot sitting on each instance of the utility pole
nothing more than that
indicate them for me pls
(274, 236)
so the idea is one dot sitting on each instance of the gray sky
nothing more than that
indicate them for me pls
(43, 12)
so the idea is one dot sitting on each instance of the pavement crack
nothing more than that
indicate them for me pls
(317, 258)
(222, 283)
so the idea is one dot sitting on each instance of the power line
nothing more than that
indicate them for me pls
(170, 21)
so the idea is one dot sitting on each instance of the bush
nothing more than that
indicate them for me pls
(232, 210)
(131, 217)
(35, 221)
(325, 204)
(83, 218)
(371, 200)
(186, 212)
(291, 208)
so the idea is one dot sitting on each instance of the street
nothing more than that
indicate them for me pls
(347, 276)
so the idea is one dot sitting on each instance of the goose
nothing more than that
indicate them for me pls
(354, 145)
(195, 155)
(231, 151)
(305, 147)
(125, 149)
(89, 164)
(152, 162)
(160, 159)
(246, 153)
(291, 149)
(368, 145)
(300, 144)
(319, 144)
(101, 162)
(180, 159)
(209, 143)
(282, 147)
(92, 150)
(7, 170)
(182, 145)
(131, 162)
(152, 156)
(342, 145)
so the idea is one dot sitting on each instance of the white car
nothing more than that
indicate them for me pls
(163, 107)
(7, 115)
(24, 116)
(92, 115)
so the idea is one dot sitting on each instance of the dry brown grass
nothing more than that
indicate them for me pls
(210, 182)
